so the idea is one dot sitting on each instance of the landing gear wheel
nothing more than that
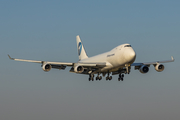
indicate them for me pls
(110, 78)
(107, 78)
(100, 78)
(122, 75)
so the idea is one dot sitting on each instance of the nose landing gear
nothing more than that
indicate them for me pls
(127, 68)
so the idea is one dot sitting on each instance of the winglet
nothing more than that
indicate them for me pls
(172, 58)
(10, 57)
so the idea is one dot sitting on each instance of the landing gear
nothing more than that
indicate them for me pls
(91, 77)
(98, 77)
(109, 77)
(128, 67)
(121, 77)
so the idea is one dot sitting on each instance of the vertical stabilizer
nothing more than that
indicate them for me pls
(81, 50)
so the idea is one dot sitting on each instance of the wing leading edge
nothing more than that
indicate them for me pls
(47, 62)
(153, 63)
(62, 64)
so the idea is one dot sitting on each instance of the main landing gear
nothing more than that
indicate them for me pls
(109, 77)
(121, 77)
(91, 77)
(98, 77)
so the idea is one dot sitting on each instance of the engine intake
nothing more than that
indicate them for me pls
(144, 69)
(159, 67)
(79, 69)
(46, 67)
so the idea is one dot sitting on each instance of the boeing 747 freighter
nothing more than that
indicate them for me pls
(118, 61)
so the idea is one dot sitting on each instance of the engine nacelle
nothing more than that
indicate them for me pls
(159, 67)
(46, 67)
(144, 69)
(79, 69)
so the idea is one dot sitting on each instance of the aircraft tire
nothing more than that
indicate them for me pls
(122, 75)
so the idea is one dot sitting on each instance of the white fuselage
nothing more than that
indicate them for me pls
(114, 59)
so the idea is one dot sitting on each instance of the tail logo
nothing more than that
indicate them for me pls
(80, 48)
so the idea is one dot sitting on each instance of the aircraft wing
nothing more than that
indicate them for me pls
(42, 62)
(153, 63)
(62, 65)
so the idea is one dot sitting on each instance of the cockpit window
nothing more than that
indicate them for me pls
(127, 46)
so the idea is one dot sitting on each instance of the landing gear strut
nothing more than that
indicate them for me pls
(121, 76)
(127, 68)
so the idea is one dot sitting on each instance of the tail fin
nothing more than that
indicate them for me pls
(81, 50)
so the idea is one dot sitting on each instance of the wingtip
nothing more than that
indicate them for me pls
(10, 57)
(172, 58)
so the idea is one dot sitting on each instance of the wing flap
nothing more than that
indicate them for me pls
(60, 63)
(60, 67)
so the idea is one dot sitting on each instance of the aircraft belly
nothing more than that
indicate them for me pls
(111, 69)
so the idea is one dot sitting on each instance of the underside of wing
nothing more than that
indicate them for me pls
(46, 65)
(88, 67)
(144, 67)
(96, 64)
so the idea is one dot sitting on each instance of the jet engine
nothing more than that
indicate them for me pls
(159, 67)
(79, 69)
(46, 67)
(144, 69)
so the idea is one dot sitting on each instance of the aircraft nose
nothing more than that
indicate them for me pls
(130, 55)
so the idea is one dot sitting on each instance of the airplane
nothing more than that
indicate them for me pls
(118, 61)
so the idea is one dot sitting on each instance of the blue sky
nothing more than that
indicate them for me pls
(46, 30)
